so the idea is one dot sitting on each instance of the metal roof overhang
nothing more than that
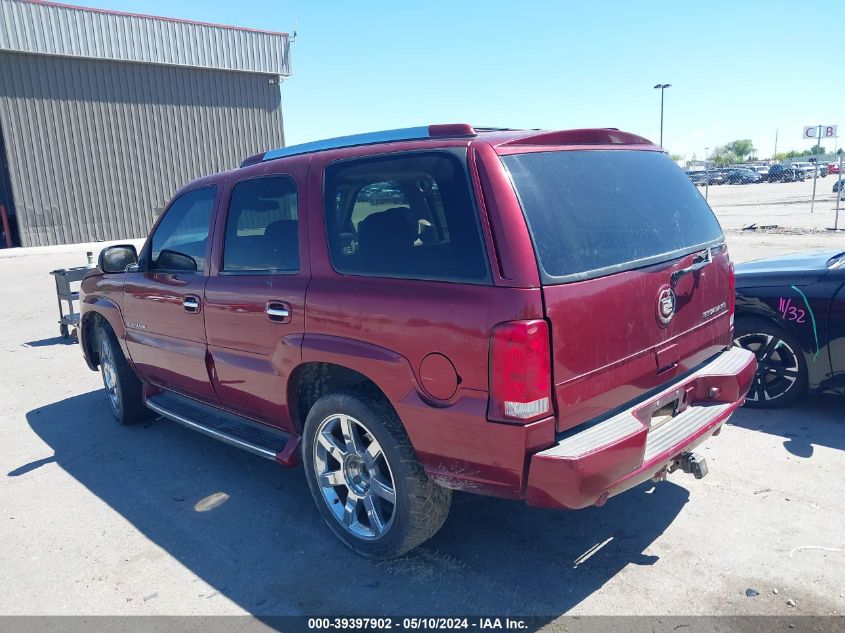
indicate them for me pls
(48, 28)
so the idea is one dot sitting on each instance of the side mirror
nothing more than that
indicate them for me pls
(173, 260)
(115, 259)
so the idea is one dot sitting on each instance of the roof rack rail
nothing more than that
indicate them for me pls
(493, 128)
(451, 130)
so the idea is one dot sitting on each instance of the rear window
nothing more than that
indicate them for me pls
(596, 212)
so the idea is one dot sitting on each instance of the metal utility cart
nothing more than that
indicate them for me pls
(64, 278)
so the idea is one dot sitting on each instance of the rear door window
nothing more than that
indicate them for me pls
(409, 215)
(262, 229)
(596, 212)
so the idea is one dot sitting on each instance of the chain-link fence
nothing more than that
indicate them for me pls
(798, 195)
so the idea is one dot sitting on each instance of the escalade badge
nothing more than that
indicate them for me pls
(665, 305)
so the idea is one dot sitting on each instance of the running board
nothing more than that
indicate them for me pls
(257, 438)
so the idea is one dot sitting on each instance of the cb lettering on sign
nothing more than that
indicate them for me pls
(827, 131)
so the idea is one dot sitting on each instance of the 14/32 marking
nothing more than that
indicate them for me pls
(789, 312)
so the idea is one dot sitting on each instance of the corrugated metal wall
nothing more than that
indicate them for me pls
(53, 29)
(97, 148)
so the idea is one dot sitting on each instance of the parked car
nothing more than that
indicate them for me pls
(513, 327)
(697, 177)
(702, 177)
(785, 173)
(833, 168)
(805, 166)
(823, 169)
(741, 176)
(809, 169)
(790, 311)
(379, 195)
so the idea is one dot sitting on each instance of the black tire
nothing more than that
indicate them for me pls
(420, 507)
(781, 377)
(122, 386)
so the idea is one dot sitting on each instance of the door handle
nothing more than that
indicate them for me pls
(191, 304)
(278, 311)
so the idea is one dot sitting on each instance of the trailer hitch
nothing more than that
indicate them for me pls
(692, 463)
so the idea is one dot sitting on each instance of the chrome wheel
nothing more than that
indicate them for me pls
(354, 477)
(778, 368)
(109, 371)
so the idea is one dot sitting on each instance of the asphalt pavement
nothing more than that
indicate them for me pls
(155, 519)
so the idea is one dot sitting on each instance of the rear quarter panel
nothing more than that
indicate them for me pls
(385, 328)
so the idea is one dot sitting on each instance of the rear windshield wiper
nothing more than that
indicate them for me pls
(698, 262)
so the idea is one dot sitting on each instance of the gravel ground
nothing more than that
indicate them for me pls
(787, 205)
(101, 519)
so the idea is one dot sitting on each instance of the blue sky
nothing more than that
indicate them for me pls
(737, 69)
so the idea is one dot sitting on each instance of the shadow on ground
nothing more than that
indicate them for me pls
(265, 546)
(816, 420)
(55, 340)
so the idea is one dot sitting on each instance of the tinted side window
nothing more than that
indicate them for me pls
(262, 232)
(403, 216)
(183, 232)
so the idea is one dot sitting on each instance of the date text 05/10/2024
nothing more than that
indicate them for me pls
(420, 623)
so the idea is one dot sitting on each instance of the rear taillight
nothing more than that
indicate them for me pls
(732, 299)
(520, 371)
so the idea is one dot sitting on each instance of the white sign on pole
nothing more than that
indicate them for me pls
(812, 131)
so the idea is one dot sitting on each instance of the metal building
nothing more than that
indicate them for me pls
(103, 115)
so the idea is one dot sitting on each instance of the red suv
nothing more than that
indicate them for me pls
(418, 311)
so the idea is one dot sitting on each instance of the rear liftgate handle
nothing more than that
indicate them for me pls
(699, 261)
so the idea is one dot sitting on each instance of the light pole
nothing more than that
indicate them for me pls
(662, 88)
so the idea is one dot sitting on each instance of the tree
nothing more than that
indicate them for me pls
(742, 148)
(816, 149)
(676, 157)
(840, 151)
(737, 151)
(724, 156)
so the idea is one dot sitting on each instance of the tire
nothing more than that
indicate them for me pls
(122, 386)
(350, 480)
(781, 377)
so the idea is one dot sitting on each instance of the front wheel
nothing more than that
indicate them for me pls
(781, 376)
(123, 388)
(365, 478)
